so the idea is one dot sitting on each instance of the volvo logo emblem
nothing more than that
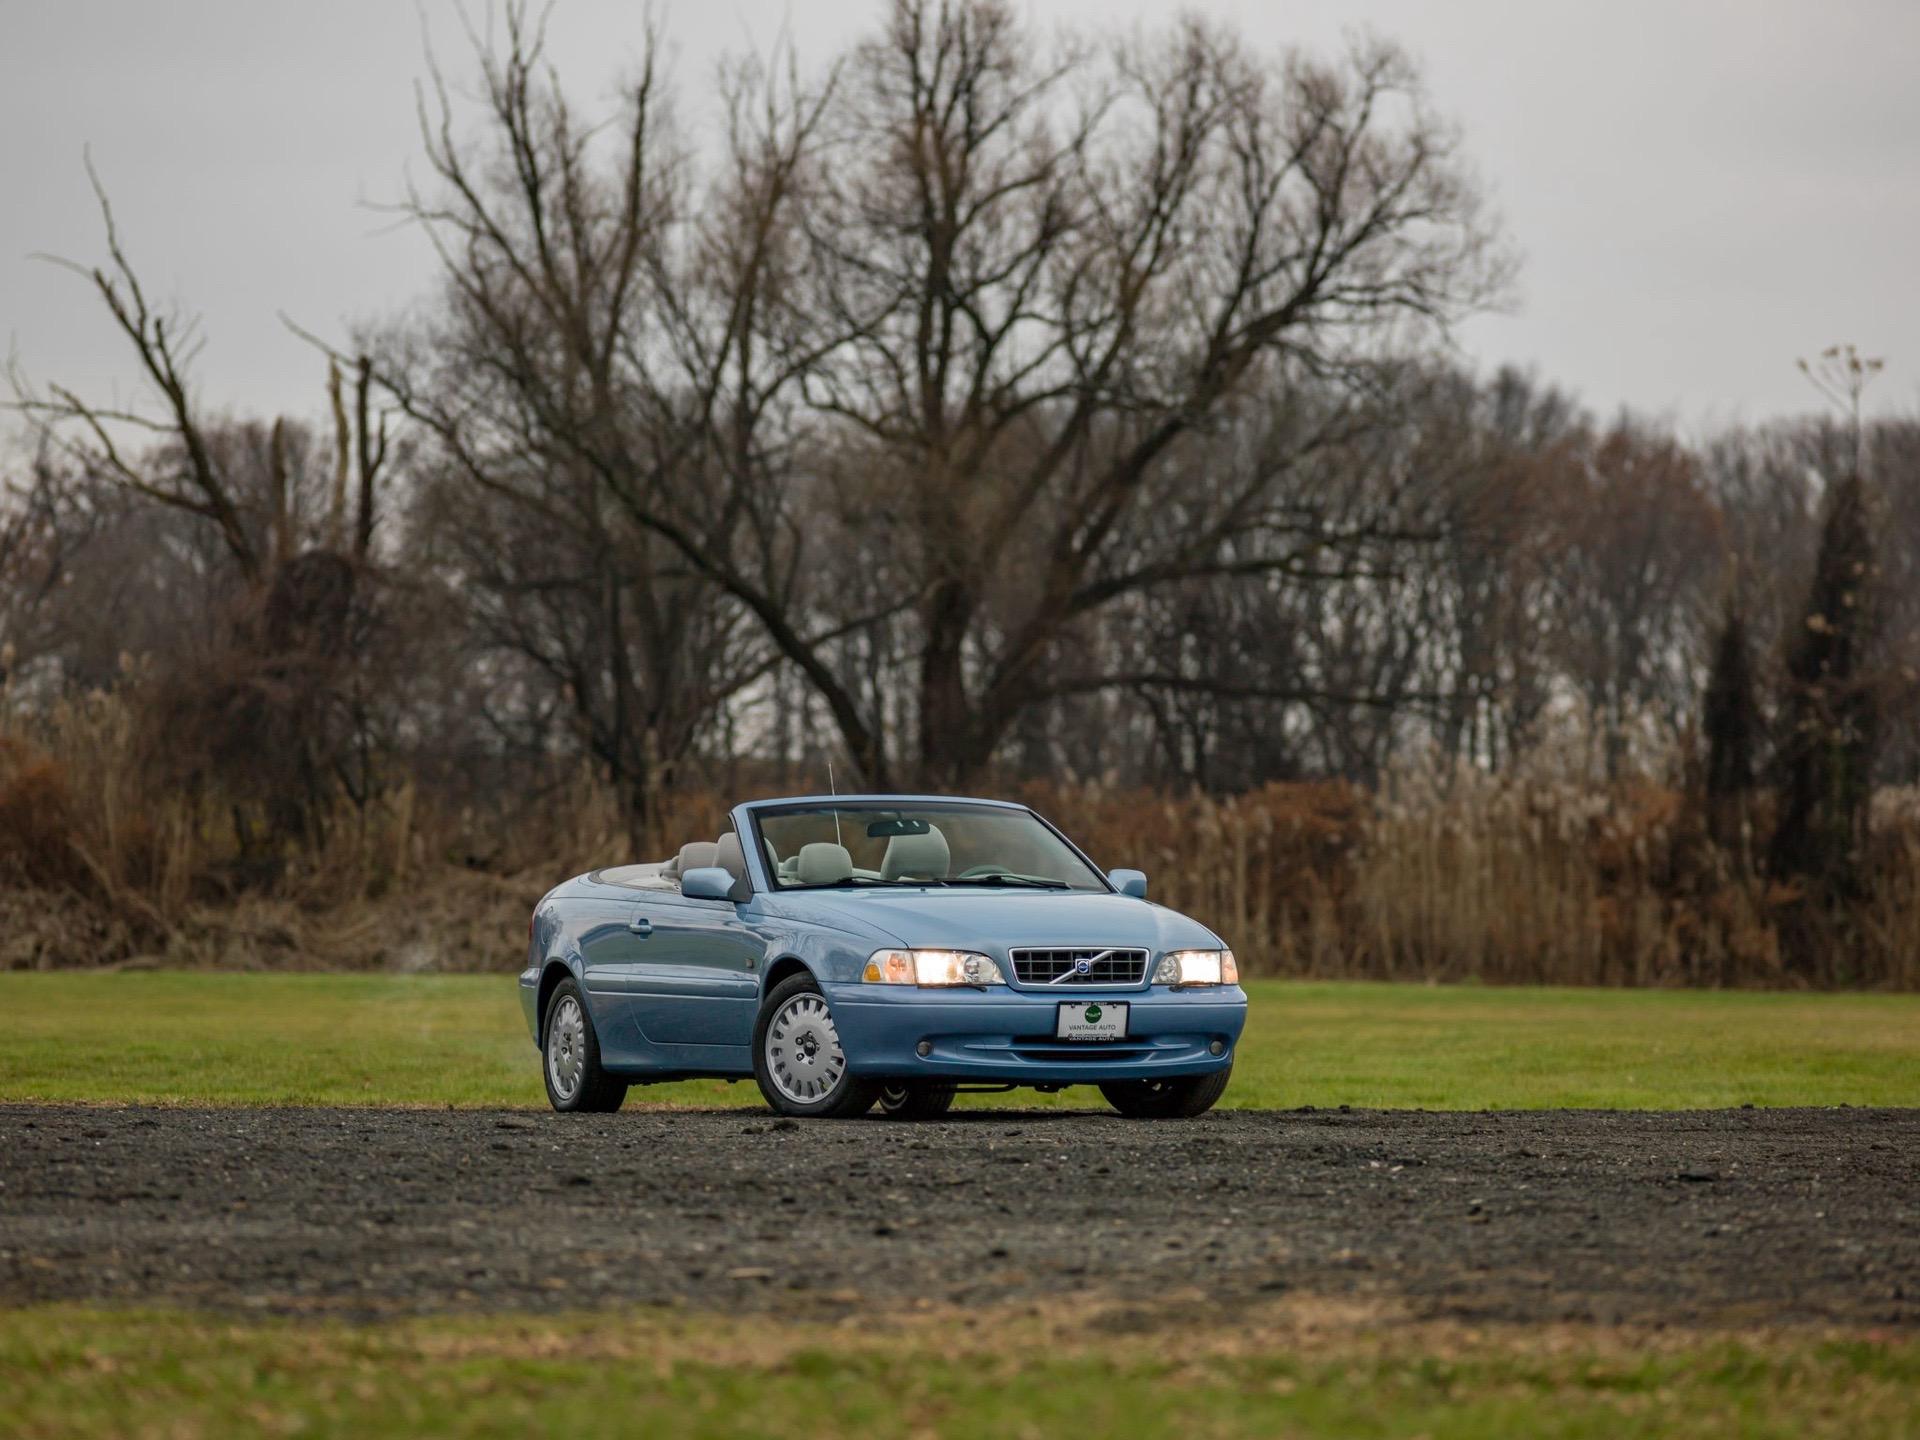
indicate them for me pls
(1081, 968)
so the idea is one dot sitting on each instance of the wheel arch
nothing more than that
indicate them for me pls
(555, 970)
(784, 969)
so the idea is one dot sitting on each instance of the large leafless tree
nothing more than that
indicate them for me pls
(1007, 285)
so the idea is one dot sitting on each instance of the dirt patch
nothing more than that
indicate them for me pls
(1735, 1218)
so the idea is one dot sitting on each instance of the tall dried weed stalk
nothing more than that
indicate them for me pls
(1445, 873)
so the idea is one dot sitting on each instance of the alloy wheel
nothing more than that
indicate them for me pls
(803, 1051)
(566, 1047)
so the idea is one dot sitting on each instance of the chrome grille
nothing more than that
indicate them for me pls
(1063, 967)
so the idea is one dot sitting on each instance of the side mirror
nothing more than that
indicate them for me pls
(708, 882)
(1129, 882)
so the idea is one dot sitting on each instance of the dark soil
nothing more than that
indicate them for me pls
(1735, 1217)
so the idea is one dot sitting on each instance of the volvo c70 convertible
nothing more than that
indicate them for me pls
(848, 950)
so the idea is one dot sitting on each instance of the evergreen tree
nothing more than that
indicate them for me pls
(1830, 714)
(1730, 717)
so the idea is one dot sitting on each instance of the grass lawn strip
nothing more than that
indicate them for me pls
(1297, 1367)
(192, 1037)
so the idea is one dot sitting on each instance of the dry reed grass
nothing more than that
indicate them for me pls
(1444, 874)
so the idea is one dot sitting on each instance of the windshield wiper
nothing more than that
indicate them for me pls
(1002, 878)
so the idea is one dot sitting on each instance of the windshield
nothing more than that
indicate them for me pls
(822, 844)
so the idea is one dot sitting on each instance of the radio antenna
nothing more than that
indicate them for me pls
(834, 790)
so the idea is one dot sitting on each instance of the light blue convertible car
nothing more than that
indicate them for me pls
(845, 950)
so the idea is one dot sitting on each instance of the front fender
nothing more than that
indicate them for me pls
(830, 956)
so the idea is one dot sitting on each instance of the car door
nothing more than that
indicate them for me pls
(612, 936)
(699, 984)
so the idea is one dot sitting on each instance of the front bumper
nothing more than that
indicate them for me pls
(1005, 1036)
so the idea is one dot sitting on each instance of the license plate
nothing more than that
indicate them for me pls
(1091, 1020)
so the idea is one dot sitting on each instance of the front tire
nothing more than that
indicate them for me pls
(577, 1083)
(915, 1099)
(1180, 1098)
(797, 1059)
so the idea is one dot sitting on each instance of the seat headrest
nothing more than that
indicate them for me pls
(823, 863)
(694, 855)
(922, 857)
(730, 857)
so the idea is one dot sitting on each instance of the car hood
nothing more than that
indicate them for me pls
(995, 920)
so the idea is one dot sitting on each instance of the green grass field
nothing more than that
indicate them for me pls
(86, 1373)
(1310, 1369)
(251, 1039)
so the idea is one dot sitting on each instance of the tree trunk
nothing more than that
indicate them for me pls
(950, 751)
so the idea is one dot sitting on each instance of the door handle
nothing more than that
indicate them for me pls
(641, 926)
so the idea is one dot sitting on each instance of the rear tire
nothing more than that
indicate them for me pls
(577, 1083)
(915, 1099)
(1180, 1098)
(797, 1060)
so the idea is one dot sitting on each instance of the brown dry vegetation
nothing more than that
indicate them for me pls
(1443, 874)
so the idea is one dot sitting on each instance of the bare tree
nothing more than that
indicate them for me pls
(47, 523)
(1630, 589)
(269, 702)
(1842, 374)
(1893, 451)
(600, 377)
(1031, 279)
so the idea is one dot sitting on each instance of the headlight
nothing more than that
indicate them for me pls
(931, 967)
(1197, 967)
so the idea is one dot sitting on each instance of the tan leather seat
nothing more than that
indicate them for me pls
(823, 863)
(730, 857)
(917, 857)
(694, 855)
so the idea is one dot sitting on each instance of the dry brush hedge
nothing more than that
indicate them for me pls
(1441, 874)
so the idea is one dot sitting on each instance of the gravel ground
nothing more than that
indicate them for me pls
(1730, 1217)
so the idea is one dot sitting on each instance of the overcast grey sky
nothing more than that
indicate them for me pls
(1701, 190)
